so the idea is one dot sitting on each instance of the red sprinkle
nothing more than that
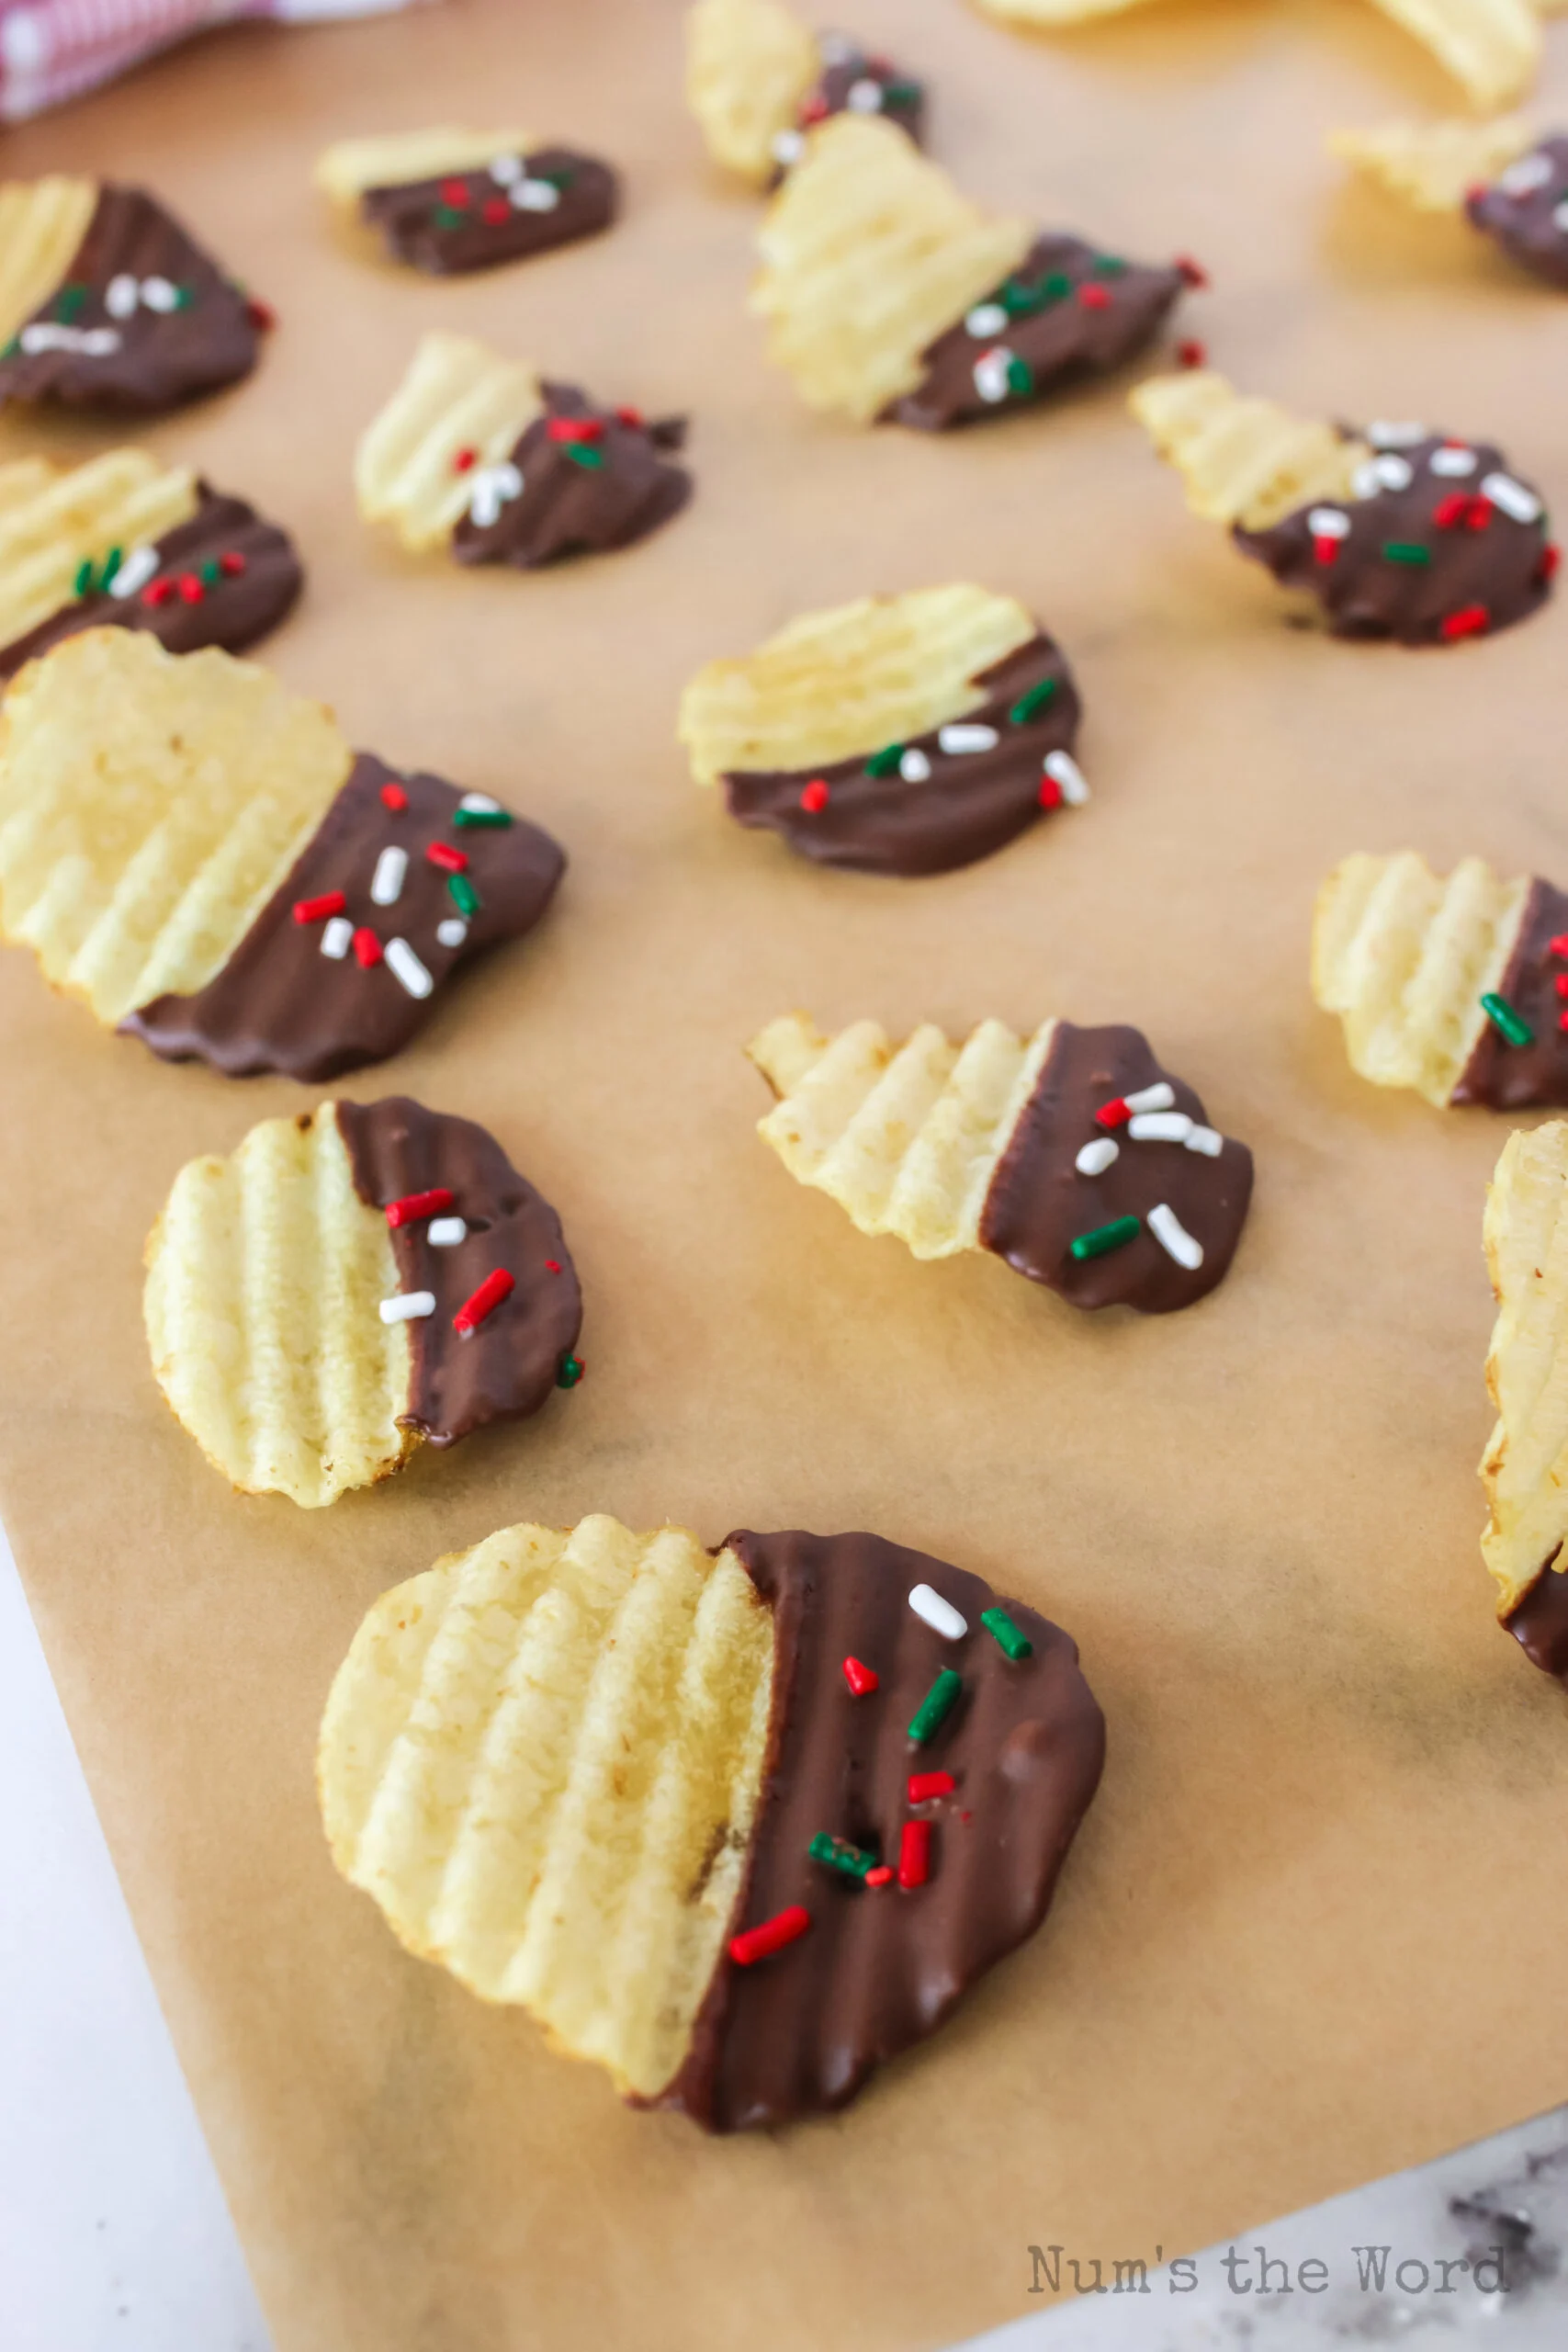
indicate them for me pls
(159, 592)
(367, 947)
(1470, 620)
(1550, 557)
(814, 108)
(450, 860)
(465, 460)
(760, 1943)
(552, 1265)
(1558, 946)
(455, 193)
(1449, 512)
(915, 1853)
(485, 1300)
(814, 800)
(1563, 983)
(1095, 297)
(1479, 513)
(331, 902)
(1050, 792)
(880, 1876)
(1192, 354)
(414, 1207)
(576, 428)
(497, 212)
(260, 314)
(923, 1786)
(631, 417)
(1193, 271)
(393, 796)
(859, 1678)
(1114, 1113)
(190, 588)
(1324, 548)
(233, 562)
(1562, 1020)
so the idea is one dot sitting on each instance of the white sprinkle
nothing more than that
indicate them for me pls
(1160, 1126)
(1328, 522)
(985, 320)
(139, 566)
(1381, 473)
(480, 804)
(1096, 1157)
(1525, 177)
(1384, 436)
(387, 882)
(97, 342)
(991, 373)
(938, 1614)
(864, 97)
(405, 965)
(121, 296)
(1174, 1239)
(493, 488)
(453, 932)
(914, 767)
(964, 737)
(1066, 774)
(45, 335)
(159, 295)
(445, 1232)
(535, 195)
(1512, 497)
(409, 1306)
(836, 49)
(1560, 219)
(1452, 463)
(1208, 1140)
(788, 147)
(336, 938)
(1160, 1096)
(505, 169)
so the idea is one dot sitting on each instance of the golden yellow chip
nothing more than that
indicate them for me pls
(1405, 957)
(543, 1758)
(42, 223)
(151, 803)
(749, 64)
(1491, 47)
(460, 408)
(1051, 13)
(53, 520)
(1525, 1468)
(1242, 460)
(1432, 166)
(869, 252)
(345, 171)
(848, 679)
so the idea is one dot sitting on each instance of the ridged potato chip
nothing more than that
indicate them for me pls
(1405, 957)
(1524, 1467)
(1491, 47)
(831, 684)
(749, 64)
(347, 168)
(1432, 166)
(55, 519)
(543, 1758)
(460, 407)
(869, 252)
(1242, 460)
(42, 223)
(150, 805)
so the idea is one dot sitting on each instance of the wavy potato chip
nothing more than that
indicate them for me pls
(460, 408)
(1524, 1467)
(42, 223)
(1491, 47)
(53, 520)
(349, 166)
(1432, 166)
(1242, 460)
(749, 64)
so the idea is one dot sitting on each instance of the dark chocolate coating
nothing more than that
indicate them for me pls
(845, 64)
(1060, 342)
(972, 803)
(415, 218)
(880, 1968)
(1540, 1622)
(279, 1004)
(567, 508)
(1515, 1077)
(1038, 1201)
(161, 358)
(1503, 566)
(232, 610)
(1532, 226)
(508, 1365)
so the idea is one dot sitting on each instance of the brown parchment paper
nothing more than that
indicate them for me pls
(1312, 1914)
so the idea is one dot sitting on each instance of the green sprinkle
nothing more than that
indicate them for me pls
(583, 454)
(447, 216)
(464, 896)
(70, 302)
(83, 583)
(561, 178)
(496, 818)
(1016, 1643)
(900, 94)
(184, 297)
(1056, 286)
(936, 1706)
(209, 570)
(1501, 1014)
(886, 761)
(12, 347)
(851, 1861)
(1114, 1236)
(112, 562)
(1406, 551)
(1109, 266)
(1029, 703)
(1020, 376)
(572, 1371)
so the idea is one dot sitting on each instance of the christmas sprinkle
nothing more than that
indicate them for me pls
(442, 853)
(914, 1853)
(1174, 1239)
(1032, 702)
(1104, 1239)
(129, 577)
(924, 1786)
(409, 1306)
(367, 947)
(495, 1288)
(938, 1614)
(1096, 1157)
(761, 1942)
(451, 931)
(336, 937)
(936, 1707)
(861, 1679)
(407, 969)
(1013, 1639)
(849, 1861)
(387, 882)
(1470, 620)
(880, 1876)
(445, 1232)
(393, 796)
(413, 1206)
(962, 738)
(1064, 771)
(1406, 551)
(331, 902)
(1502, 1017)
(1512, 497)
(464, 896)
(572, 1367)
(1159, 1127)
(886, 761)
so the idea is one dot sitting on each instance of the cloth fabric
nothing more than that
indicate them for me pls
(53, 50)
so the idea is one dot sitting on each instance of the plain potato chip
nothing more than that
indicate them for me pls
(749, 64)
(1432, 166)
(1524, 1467)
(459, 409)
(1242, 460)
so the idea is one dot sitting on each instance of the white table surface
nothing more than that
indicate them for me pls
(113, 2236)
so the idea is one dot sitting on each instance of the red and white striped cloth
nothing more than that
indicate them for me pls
(51, 50)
